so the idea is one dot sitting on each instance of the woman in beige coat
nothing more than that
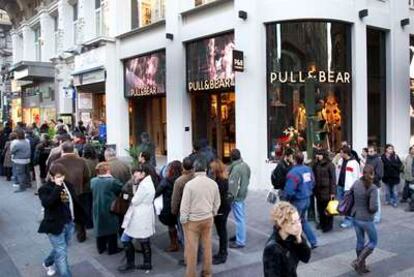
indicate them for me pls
(139, 220)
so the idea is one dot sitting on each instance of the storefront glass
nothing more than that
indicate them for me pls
(146, 12)
(210, 80)
(309, 84)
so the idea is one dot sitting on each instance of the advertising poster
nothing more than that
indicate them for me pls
(145, 75)
(210, 64)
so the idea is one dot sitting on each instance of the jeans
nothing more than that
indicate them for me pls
(22, 175)
(340, 193)
(391, 194)
(196, 231)
(302, 207)
(180, 232)
(220, 221)
(368, 227)
(59, 254)
(377, 217)
(239, 217)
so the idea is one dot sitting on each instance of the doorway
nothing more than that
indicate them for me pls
(149, 114)
(214, 119)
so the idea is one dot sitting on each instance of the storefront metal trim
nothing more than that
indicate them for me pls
(160, 23)
(204, 7)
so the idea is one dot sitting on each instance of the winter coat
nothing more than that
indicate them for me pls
(149, 148)
(53, 221)
(105, 189)
(179, 190)
(20, 151)
(239, 179)
(165, 188)
(325, 180)
(408, 169)
(91, 165)
(139, 220)
(392, 169)
(281, 257)
(376, 163)
(278, 176)
(352, 172)
(34, 141)
(225, 201)
(42, 152)
(119, 170)
(77, 172)
(300, 182)
(365, 201)
(7, 155)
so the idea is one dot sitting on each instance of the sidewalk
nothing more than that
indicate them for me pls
(22, 249)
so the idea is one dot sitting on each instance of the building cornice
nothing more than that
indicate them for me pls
(155, 25)
(204, 7)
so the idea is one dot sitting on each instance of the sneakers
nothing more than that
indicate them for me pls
(16, 185)
(50, 270)
(345, 225)
(235, 245)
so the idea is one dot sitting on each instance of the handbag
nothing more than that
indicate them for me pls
(332, 208)
(272, 196)
(345, 206)
(158, 204)
(120, 205)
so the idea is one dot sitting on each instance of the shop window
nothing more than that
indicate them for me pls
(38, 44)
(202, 2)
(376, 66)
(146, 12)
(101, 11)
(309, 85)
(412, 88)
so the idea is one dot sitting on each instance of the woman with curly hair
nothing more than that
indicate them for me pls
(165, 188)
(286, 246)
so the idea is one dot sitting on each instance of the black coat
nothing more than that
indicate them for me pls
(165, 188)
(223, 185)
(53, 221)
(392, 169)
(325, 179)
(281, 257)
(278, 176)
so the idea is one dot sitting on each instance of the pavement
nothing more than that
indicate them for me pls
(22, 249)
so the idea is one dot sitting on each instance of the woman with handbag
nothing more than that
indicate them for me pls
(139, 220)
(363, 211)
(105, 189)
(325, 187)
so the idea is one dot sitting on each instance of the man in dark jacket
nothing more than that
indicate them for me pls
(62, 209)
(375, 161)
(78, 175)
(278, 177)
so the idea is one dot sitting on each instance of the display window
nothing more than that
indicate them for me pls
(309, 85)
(146, 12)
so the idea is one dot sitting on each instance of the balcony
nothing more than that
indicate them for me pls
(411, 4)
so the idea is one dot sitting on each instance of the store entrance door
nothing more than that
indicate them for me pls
(214, 120)
(149, 114)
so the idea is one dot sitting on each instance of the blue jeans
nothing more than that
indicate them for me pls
(180, 232)
(368, 227)
(340, 192)
(391, 194)
(302, 206)
(377, 217)
(59, 254)
(239, 217)
(22, 175)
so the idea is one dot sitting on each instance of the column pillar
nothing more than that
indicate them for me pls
(28, 43)
(47, 30)
(17, 44)
(65, 24)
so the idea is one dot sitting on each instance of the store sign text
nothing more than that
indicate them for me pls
(206, 85)
(300, 77)
(144, 91)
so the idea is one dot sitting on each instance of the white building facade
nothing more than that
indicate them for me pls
(165, 67)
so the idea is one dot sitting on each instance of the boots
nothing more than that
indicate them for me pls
(146, 252)
(360, 263)
(219, 258)
(130, 258)
(174, 246)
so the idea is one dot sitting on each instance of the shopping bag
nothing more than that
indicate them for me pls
(332, 208)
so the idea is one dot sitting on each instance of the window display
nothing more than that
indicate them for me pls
(146, 12)
(309, 85)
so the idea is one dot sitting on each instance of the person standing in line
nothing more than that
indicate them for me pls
(139, 221)
(145, 158)
(41, 154)
(56, 152)
(147, 146)
(408, 175)
(239, 179)
(105, 189)
(177, 195)
(91, 159)
(78, 175)
(300, 183)
(62, 209)
(363, 211)
(392, 169)
(375, 161)
(286, 246)
(347, 172)
(199, 205)
(7, 163)
(278, 176)
(20, 152)
(165, 189)
(325, 188)
(34, 141)
(219, 174)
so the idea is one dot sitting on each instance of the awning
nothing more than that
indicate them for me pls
(89, 76)
(30, 71)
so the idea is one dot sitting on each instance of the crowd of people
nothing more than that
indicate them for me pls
(80, 188)
(328, 177)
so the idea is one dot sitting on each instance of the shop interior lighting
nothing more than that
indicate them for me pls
(405, 22)
(169, 36)
(363, 13)
(243, 15)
